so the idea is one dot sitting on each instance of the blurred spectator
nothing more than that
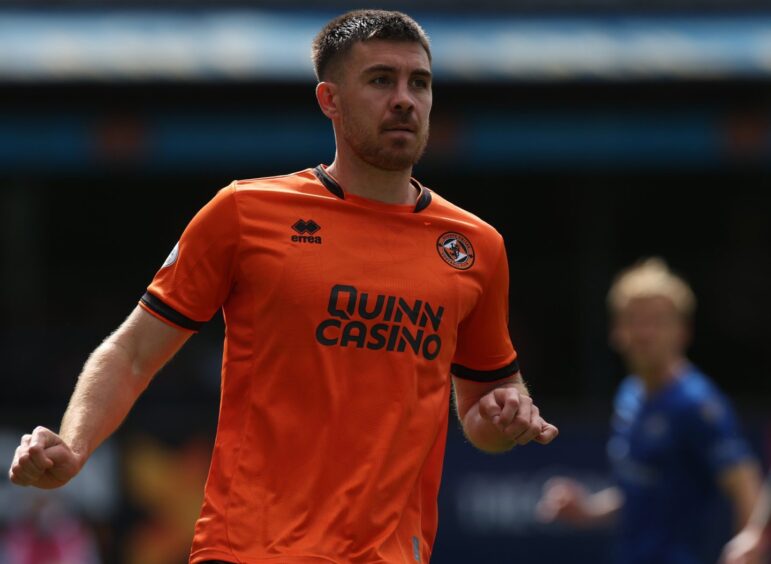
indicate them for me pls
(675, 445)
(48, 532)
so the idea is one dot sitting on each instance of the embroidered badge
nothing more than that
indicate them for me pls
(455, 250)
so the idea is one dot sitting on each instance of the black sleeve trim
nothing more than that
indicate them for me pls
(485, 375)
(171, 314)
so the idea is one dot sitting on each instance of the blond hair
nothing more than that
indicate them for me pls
(648, 278)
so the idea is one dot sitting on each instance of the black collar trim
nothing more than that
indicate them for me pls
(424, 197)
(329, 182)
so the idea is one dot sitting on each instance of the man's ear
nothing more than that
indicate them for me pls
(326, 96)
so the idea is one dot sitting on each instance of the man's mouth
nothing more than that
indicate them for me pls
(404, 128)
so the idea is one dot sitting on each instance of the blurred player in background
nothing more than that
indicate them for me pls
(351, 293)
(676, 444)
(752, 545)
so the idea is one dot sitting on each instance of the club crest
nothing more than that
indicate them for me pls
(455, 250)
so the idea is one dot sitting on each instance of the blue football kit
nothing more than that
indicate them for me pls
(667, 451)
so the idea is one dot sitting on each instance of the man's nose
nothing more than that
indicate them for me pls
(402, 100)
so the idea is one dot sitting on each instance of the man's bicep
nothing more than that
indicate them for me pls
(149, 341)
(713, 433)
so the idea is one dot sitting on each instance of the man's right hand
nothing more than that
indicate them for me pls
(43, 460)
(565, 500)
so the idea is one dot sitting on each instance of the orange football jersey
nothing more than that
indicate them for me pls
(344, 319)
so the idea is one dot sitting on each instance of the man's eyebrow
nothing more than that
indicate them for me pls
(380, 68)
(388, 68)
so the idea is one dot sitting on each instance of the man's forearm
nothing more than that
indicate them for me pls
(742, 485)
(603, 506)
(113, 377)
(761, 514)
(107, 388)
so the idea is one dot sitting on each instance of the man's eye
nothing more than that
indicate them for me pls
(380, 80)
(420, 83)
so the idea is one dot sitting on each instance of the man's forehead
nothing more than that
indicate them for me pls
(650, 304)
(385, 53)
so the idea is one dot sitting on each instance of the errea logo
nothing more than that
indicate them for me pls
(306, 230)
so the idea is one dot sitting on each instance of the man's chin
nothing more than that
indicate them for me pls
(394, 162)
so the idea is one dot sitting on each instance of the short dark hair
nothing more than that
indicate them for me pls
(339, 35)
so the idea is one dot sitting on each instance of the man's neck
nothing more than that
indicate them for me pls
(657, 377)
(362, 179)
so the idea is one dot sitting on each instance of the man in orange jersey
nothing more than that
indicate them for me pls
(340, 356)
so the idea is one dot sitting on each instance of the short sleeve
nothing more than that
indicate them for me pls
(484, 351)
(195, 280)
(714, 434)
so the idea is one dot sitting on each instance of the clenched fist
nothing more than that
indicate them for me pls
(43, 460)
